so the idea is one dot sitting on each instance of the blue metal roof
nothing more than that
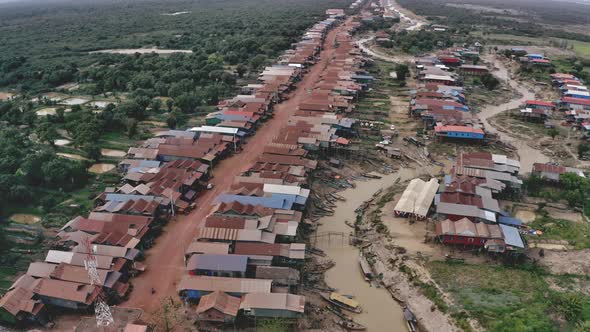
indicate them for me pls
(272, 202)
(511, 236)
(233, 117)
(124, 198)
(221, 262)
(509, 221)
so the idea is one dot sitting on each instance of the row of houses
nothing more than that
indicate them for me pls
(163, 175)
(246, 258)
(465, 206)
(574, 101)
(440, 102)
(530, 60)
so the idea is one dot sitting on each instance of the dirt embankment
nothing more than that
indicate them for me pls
(565, 262)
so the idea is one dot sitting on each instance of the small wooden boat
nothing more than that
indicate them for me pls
(350, 325)
(410, 318)
(342, 302)
(365, 267)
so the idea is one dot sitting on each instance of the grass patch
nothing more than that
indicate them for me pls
(509, 299)
(576, 233)
(581, 48)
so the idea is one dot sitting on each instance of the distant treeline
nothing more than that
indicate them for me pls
(529, 18)
(47, 44)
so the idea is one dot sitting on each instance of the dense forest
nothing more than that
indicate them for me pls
(45, 45)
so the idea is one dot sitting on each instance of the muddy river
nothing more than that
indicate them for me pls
(527, 154)
(380, 311)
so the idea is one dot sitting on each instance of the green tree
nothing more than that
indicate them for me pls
(92, 151)
(402, 72)
(63, 174)
(489, 81)
(583, 149)
(156, 105)
(553, 133)
(171, 121)
(241, 70)
(169, 104)
(131, 128)
(187, 102)
(47, 133)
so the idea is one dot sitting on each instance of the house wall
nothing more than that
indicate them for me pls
(62, 303)
(457, 134)
(211, 273)
(214, 315)
(272, 313)
(463, 240)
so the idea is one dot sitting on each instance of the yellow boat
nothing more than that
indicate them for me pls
(343, 302)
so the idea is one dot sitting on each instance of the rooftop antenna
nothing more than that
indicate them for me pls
(103, 314)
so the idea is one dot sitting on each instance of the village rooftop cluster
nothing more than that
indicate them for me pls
(246, 257)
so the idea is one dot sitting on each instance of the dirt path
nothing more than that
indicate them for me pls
(164, 261)
(362, 43)
(528, 155)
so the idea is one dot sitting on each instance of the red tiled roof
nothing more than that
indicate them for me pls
(578, 101)
(225, 222)
(540, 103)
(229, 305)
(263, 249)
(461, 198)
(538, 167)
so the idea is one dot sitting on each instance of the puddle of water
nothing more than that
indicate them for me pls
(23, 218)
(74, 101)
(50, 111)
(101, 168)
(71, 156)
(112, 153)
(380, 311)
(102, 104)
(62, 142)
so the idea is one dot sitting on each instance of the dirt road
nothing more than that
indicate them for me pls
(165, 264)
(362, 43)
(528, 155)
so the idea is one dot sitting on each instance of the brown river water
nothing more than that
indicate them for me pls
(380, 311)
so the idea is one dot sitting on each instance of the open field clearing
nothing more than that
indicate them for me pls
(23, 218)
(50, 111)
(101, 168)
(71, 156)
(131, 51)
(113, 153)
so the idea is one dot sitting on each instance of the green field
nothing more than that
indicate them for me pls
(508, 299)
(581, 48)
